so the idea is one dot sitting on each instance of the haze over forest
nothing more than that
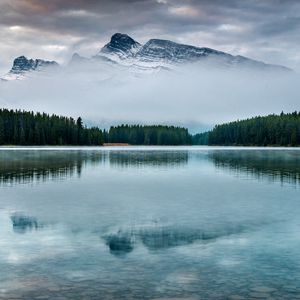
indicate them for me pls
(190, 98)
(193, 96)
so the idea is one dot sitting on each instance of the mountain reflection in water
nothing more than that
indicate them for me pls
(162, 237)
(149, 223)
(22, 223)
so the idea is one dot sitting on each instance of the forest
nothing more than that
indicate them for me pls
(200, 138)
(28, 128)
(271, 130)
(149, 135)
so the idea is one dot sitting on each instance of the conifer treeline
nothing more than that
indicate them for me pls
(28, 128)
(200, 138)
(271, 130)
(149, 135)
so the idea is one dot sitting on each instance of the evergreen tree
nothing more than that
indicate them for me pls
(26, 128)
(271, 130)
(2, 136)
(149, 135)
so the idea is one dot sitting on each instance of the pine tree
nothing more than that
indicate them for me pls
(2, 136)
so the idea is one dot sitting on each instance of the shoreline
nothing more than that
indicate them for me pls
(147, 148)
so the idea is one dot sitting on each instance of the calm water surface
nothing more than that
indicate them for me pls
(149, 223)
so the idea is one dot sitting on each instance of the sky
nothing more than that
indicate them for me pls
(266, 30)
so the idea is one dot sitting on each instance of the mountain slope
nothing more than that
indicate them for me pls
(121, 45)
(23, 66)
(157, 53)
(123, 53)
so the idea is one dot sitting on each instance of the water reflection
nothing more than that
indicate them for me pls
(175, 225)
(19, 167)
(22, 223)
(271, 165)
(129, 159)
(40, 166)
(163, 237)
(121, 243)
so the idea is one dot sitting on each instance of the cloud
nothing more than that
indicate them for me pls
(188, 97)
(254, 28)
(185, 11)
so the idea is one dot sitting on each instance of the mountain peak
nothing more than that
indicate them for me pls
(122, 38)
(155, 55)
(77, 58)
(22, 64)
(122, 45)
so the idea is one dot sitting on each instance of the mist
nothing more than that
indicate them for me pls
(194, 97)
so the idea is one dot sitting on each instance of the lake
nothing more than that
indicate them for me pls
(149, 223)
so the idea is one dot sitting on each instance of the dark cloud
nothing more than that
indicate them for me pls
(263, 29)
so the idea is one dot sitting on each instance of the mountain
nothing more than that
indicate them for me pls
(158, 53)
(121, 46)
(123, 53)
(171, 52)
(77, 59)
(23, 66)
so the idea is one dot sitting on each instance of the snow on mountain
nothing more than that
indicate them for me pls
(23, 67)
(123, 53)
(159, 54)
(171, 52)
(121, 46)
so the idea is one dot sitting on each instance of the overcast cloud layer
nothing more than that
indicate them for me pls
(266, 30)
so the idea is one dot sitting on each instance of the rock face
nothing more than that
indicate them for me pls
(121, 45)
(170, 52)
(22, 64)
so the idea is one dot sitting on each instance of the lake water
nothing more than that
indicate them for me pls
(149, 223)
